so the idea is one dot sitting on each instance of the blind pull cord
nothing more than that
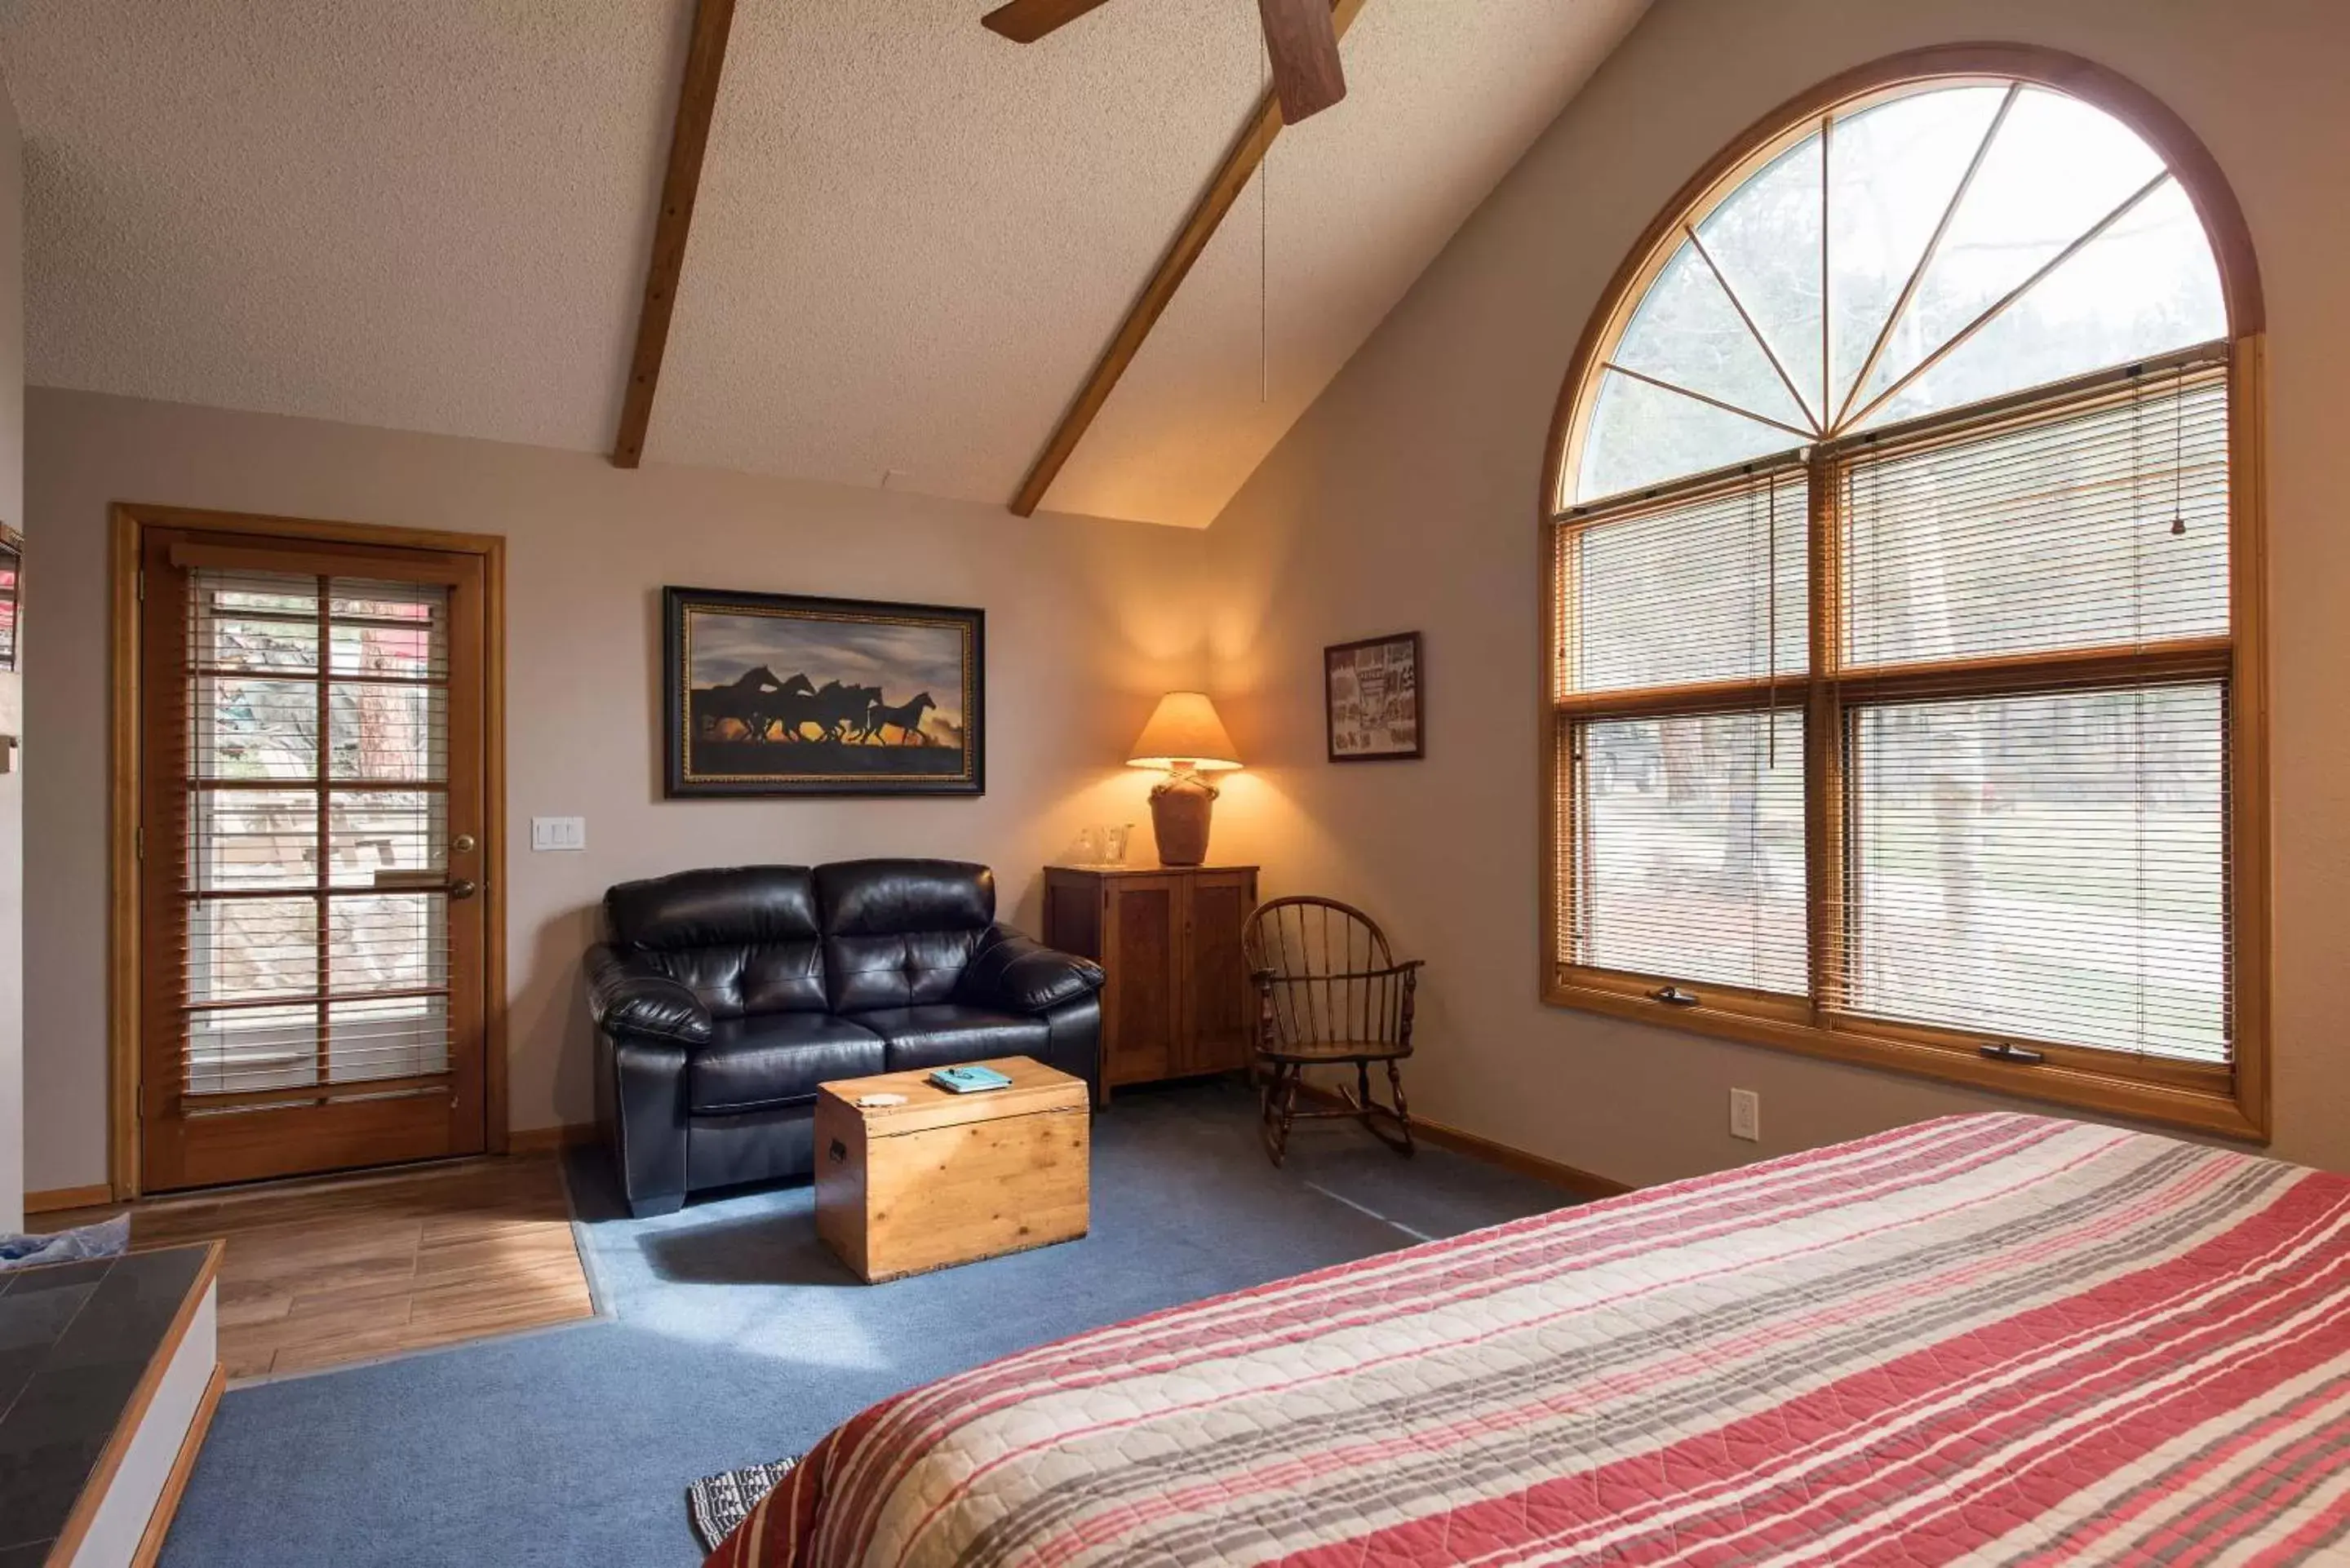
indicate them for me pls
(2178, 455)
(1771, 632)
(1264, 241)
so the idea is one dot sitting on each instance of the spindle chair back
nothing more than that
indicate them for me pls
(1329, 991)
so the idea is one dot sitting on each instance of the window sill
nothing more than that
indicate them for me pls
(2229, 1110)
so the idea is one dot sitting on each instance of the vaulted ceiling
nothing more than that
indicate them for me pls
(912, 243)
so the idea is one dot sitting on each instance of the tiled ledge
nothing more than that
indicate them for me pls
(108, 1375)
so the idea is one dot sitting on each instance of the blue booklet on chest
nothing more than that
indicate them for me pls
(969, 1080)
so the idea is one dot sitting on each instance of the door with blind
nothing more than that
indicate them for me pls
(310, 856)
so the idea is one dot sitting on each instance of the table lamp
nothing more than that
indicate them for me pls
(1185, 738)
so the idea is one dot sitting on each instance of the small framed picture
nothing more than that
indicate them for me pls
(1370, 691)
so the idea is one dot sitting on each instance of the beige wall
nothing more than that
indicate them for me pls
(1087, 624)
(1408, 498)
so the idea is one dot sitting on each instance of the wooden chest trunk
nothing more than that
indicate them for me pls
(950, 1178)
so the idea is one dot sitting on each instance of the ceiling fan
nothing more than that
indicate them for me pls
(1298, 37)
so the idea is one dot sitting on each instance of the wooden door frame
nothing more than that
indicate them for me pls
(130, 521)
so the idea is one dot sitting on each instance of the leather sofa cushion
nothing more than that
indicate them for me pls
(884, 897)
(899, 932)
(750, 978)
(940, 1036)
(777, 1058)
(743, 939)
(911, 969)
(738, 906)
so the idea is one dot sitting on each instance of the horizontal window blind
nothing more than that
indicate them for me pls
(1688, 852)
(1709, 589)
(2098, 528)
(2029, 848)
(2045, 864)
(2052, 867)
(316, 959)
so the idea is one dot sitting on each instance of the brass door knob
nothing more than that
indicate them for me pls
(461, 889)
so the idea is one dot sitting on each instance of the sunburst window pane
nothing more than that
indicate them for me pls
(1766, 240)
(2056, 168)
(1642, 435)
(1893, 171)
(2145, 286)
(1688, 332)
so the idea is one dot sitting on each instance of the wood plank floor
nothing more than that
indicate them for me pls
(317, 1273)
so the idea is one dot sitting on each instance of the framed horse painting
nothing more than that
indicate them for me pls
(786, 694)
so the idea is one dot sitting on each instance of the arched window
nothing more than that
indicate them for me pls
(1903, 626)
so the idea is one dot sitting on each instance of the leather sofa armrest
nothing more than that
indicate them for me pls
(1016, 973)
(626, 994)
(1072, 1041)
(640, 1101)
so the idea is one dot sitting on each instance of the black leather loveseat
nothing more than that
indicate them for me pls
(723, 998)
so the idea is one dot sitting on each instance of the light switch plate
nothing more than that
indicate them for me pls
(559, 833)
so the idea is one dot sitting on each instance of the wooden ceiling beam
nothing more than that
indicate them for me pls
(1231, 178)
(705, 58)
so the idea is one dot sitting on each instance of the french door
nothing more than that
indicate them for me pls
(310, 856)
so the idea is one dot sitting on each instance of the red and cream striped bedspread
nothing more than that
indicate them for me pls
(1988, 1339)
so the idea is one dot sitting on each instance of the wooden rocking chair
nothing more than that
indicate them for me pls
(1328, 992)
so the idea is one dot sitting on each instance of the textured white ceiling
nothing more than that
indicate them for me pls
(428, 215)
(1443, 97)
(912, 241)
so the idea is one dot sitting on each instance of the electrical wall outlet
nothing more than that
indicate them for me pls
(1746, 1114)
(559, 833)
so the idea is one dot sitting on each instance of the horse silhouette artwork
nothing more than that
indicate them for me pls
(839, 711)
(906, 717)
(757, 699)
(790, 694)
(771, 709)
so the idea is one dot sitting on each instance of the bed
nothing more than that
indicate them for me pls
(1985, 1339)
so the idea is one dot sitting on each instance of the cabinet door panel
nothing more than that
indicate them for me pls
(1217, 1001)
(1142, 943)
(1075, 908)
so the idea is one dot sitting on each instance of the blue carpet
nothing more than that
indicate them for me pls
(735, 1337)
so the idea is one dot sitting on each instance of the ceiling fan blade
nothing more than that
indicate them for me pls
(1304, 44)
(1025, 21)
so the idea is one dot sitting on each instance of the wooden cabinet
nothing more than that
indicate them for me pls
(1169, 937)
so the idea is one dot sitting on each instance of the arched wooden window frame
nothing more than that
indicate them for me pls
(2241, 1107)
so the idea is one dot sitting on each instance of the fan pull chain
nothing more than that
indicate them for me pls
(1264, 244)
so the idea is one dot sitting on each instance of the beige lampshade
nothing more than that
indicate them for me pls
(1184, 728)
